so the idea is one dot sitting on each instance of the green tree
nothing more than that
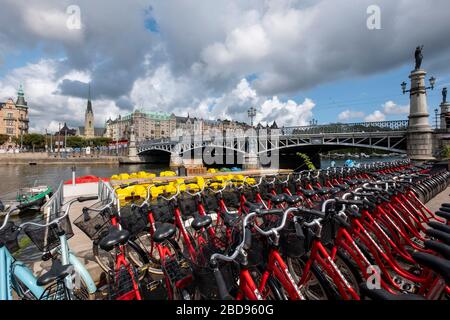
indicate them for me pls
(3, 138)
(98, 141)
(75, 142)
(35, 140)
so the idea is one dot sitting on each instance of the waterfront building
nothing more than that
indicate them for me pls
(147, 125)
(14, 120)
(158, 125)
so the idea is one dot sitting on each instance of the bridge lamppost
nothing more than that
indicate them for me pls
(415, 90)
(313, 122)
(251, 114)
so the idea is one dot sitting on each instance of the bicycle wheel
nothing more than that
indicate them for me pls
(107, 259)
(153, 264)
(317, 286)
(274, 290)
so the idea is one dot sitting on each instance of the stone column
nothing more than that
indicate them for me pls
(419, 136)
(251, 160)
(132, 149)
(445, 109)
(175, 160)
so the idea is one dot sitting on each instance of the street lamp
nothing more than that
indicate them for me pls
(251, 114)
(414, 90)
(436, 115)
(313, 122)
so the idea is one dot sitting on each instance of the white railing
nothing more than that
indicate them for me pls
(105, 191)
(54, 204)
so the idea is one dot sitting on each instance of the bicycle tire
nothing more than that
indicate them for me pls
(143, 240)
(322, 283)
(108, 266)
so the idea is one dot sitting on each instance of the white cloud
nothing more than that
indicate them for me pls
(287, 113)
(349, 114)
(390, 107)
(46, 107)
(377, 115)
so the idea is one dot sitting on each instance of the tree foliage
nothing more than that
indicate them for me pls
(3, 138)
(31, 140)
(307, 161)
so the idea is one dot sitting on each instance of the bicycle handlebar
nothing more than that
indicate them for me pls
(66, 212)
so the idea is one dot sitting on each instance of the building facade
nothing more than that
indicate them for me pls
(14, 120)
(147, 126)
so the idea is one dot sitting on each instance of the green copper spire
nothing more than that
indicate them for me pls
(21, 97)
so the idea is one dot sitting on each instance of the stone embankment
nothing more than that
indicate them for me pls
(36, 158)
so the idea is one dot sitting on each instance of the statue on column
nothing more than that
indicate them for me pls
(419, 57)
(444, 95)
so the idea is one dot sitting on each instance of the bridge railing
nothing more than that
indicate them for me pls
(360, 127)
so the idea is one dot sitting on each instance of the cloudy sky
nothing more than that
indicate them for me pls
(294, 60)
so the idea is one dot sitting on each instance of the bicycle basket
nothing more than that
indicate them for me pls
(134, 219)
(257, 253)
(122, 284)
(56, 291)
(204, 277)
(46, 238)
(8, 237)
(291, 244)
(211, 203)
(329, 231)
(231, 199)
(161, 211)
(93, 223)
(187, 204)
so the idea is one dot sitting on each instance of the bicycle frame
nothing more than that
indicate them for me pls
(9, 268)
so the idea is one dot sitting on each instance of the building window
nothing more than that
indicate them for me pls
(10, 130)
(10, 115)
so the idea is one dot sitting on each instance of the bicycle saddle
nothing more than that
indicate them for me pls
(438, 265)
(308, 193)
(113, 238)
(443, 214)
(381, 294)
(439, 226)
(163, 232)
(201, 222)
(294, 199)
(56, 272)
(438, 247)
(343, 187)
(335, 190)
(440, 235)
(229, 219)
(276, 199)
(323, 190)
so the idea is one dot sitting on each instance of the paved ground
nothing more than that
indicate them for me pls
(80, 244)
(436, 202)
